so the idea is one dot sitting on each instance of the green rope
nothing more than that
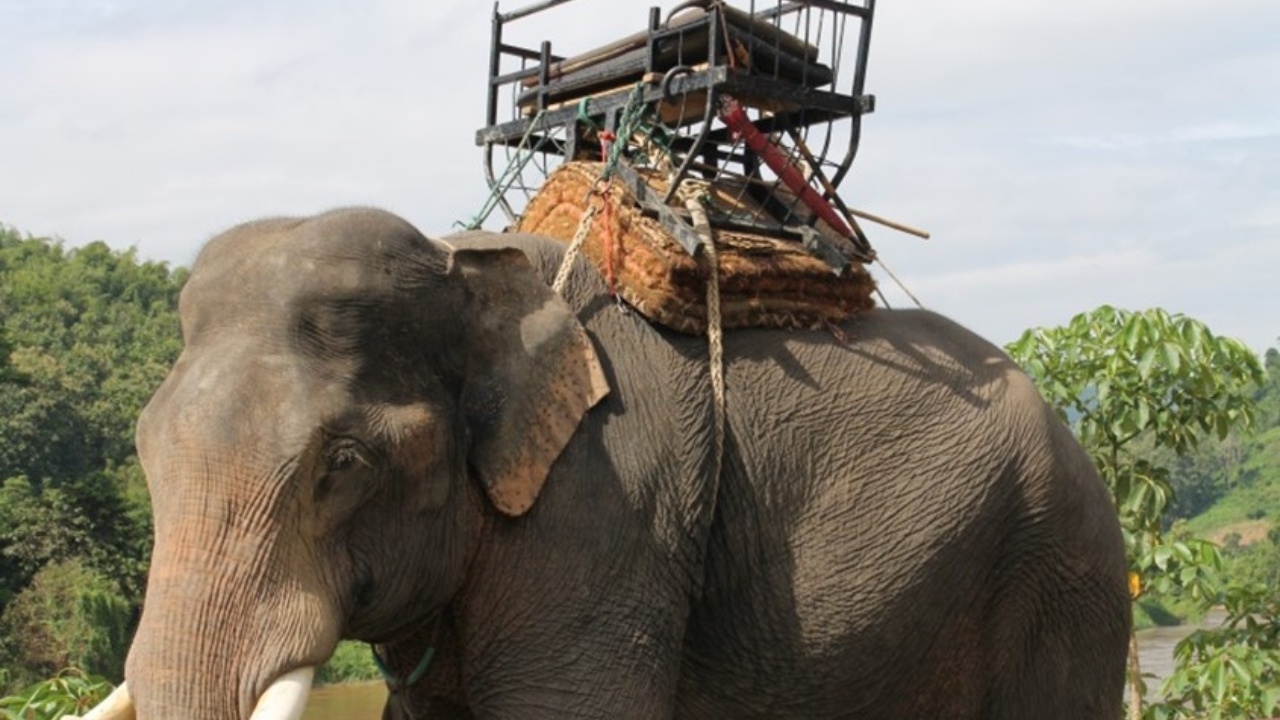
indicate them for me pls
(509, 175)
(418, 671)
(583, 116)
(631, 122)
(628, 124)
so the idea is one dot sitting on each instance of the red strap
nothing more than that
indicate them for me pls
(610, 244)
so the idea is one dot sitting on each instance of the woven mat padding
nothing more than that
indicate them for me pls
(764, 282)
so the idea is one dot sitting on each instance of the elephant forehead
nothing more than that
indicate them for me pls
(237, 395)
(352, 233)
(273, 263)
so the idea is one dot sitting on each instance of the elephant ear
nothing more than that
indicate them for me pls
(532, 374)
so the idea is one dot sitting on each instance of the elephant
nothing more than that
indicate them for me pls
(419, 444)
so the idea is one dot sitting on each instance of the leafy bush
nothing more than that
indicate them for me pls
(1230, 672)
(70, 692)
(1133, 386)
(351, 662)
(70, 616)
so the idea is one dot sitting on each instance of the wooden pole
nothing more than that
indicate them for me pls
(889, 223)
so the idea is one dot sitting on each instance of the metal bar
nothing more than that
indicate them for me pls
(651, 41)
(839, 7)
(833, 5)
(544, 74)
(816, 106)
(864, 50)
(495, 66)
(492, 181)
(515, 129)
(688, 238)
(735, 117)
(531, 9)
(516, 75)
(805, 98)
(525, 53)
(859, 78)
(851, 151)
(714, 28)
(859, 238)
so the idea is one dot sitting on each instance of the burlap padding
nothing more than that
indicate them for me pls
(764, 281)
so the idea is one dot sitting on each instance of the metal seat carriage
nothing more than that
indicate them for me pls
(763, 101)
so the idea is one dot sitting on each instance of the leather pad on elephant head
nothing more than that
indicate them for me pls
(533, 373)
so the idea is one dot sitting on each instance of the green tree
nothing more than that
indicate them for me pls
(86, 335)
(94, 331)
(1127, 382)
(1232, 671)
(88, 519)
(1259, 563)
(69, 616)
(8, 376)
(1269, 393)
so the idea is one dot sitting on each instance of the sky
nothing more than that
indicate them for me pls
(1062, 154)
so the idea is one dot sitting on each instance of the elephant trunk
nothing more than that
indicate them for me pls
(231, 630)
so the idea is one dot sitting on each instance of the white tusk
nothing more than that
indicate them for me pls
(117, 706)
(287, 696)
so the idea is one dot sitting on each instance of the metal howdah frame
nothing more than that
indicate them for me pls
(799, 66)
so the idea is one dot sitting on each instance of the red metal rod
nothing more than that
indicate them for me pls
(736, 119)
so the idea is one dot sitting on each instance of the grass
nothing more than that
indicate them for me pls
(1257, 498)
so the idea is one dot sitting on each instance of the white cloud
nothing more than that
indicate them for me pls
(1064, 155)
(1223, 131)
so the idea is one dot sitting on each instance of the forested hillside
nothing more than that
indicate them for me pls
(86, 335)
(1249, 462)
(1229, 491)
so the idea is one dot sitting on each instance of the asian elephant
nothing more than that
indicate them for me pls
(374, 435)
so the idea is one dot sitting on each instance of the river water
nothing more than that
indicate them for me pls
(363, 701)
(1155, 646)
(359, 701)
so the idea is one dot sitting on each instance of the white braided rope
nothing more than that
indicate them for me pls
(692, 192)
(575, 248)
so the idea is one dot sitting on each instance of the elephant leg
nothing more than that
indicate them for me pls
(1064, 616)
(1066, 667)
(586, 641)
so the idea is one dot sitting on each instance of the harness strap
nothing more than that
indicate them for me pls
(393, 682)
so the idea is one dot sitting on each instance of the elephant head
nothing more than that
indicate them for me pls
(352, 402)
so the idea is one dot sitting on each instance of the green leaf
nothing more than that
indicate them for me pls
(1161, 557)
(1146, 363)
(1217, 675)
(1172, 357)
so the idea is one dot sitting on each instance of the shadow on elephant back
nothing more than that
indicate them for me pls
(373, 435)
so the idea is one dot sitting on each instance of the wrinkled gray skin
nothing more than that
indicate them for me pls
(901, 529)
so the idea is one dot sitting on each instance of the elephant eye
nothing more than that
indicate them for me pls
(347, 466)
(344, 455)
